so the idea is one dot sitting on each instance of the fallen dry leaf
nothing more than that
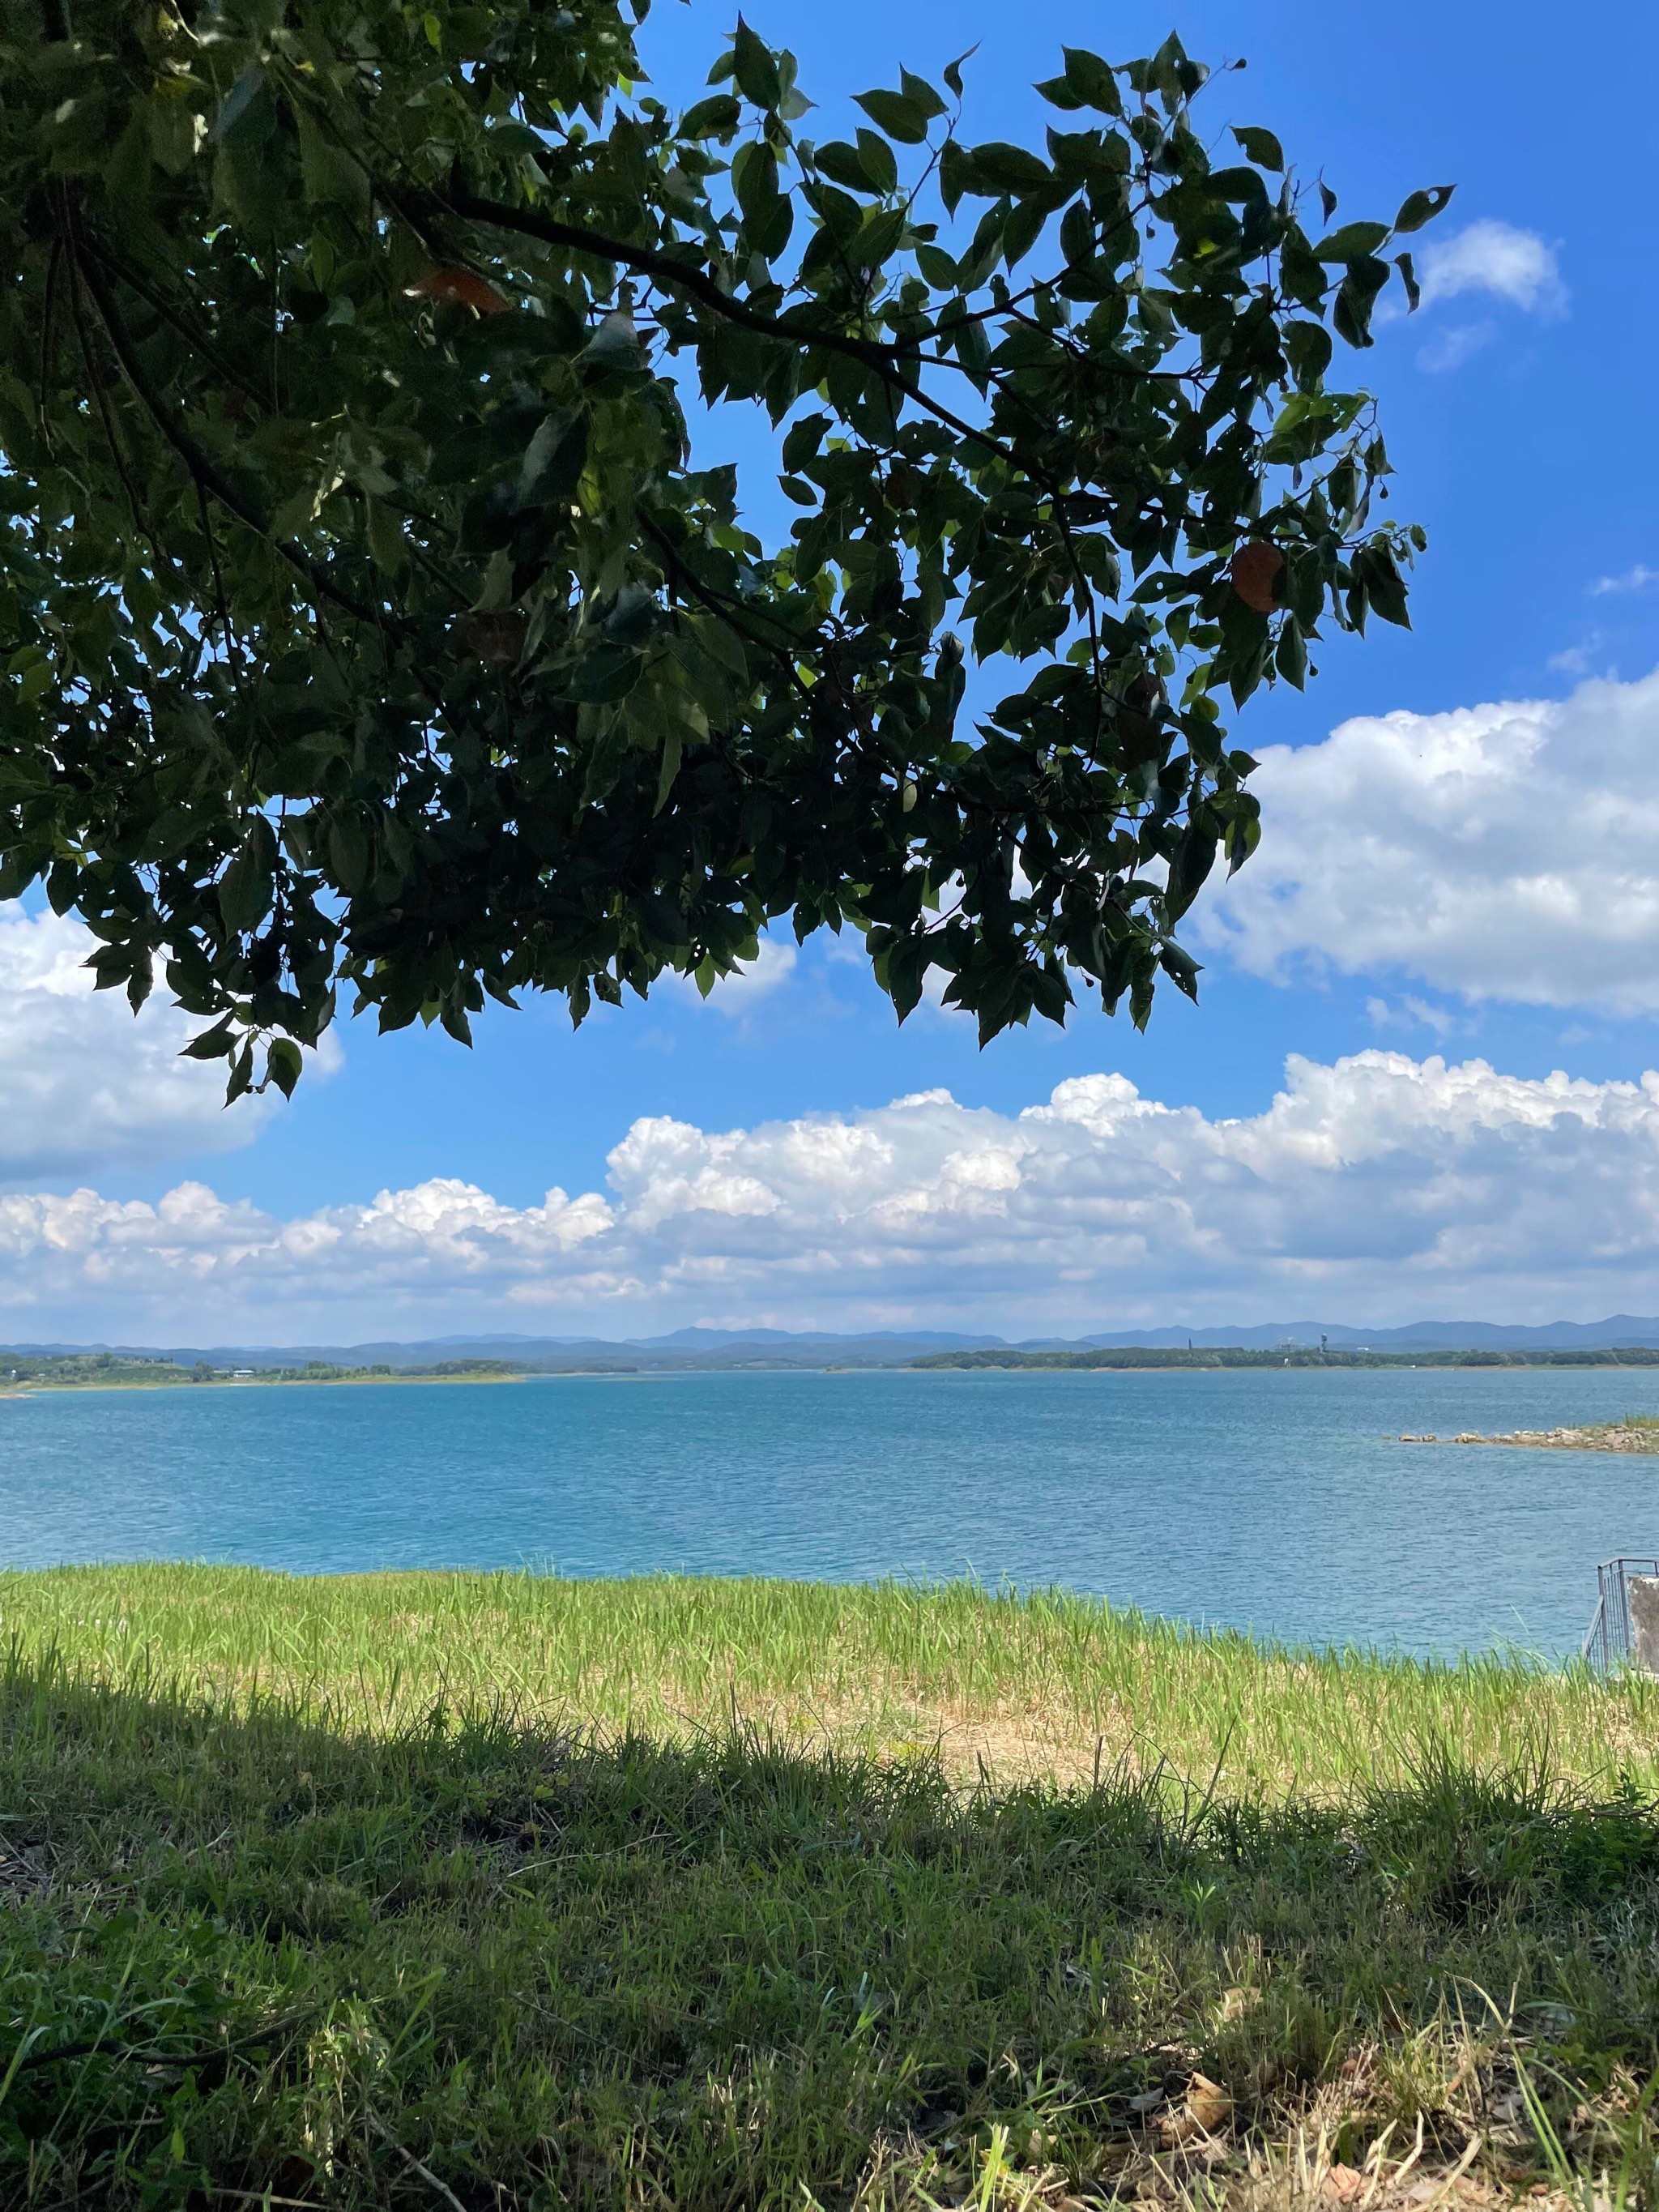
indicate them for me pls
(1209, 2104)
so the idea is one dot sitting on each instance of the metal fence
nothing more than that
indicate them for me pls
(1610, 1641)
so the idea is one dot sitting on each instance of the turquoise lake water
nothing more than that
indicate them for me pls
(1277, 1500)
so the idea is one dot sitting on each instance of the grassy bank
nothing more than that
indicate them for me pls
(497, 1892)
(28, 1376)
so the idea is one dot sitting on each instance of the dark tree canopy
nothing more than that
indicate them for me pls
(366, 623)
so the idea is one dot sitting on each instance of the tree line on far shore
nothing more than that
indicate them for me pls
(1298, 1355)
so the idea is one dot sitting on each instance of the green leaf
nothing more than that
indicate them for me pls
(1260, 146)
(245, 889)
(920, 94)
(1422, 207)
(939, 268)
(1180, 967)
(1350, 310)
(1195, 857)
(633, 616)
(331, 177)
(283, 1065)
(877, 161)
(803, 441)
(1308, 349)
(1091, 81)
(1301, 271)
(127, 172)
(250, 185)
(956, 172)
(671, 766)
(216, 1043)
(177, 130)
(553, 460)
(387, 546)
(1000, 167)
(754, 179)
(754, 68)
(901, 118)
(842, 164)
(1240, 185)
(241, 1076)
(1384, 587)
(1354, 242)
(717, 117)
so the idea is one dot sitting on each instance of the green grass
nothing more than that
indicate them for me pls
(504, 1892)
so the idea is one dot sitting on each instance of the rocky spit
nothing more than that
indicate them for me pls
(1611, 1440)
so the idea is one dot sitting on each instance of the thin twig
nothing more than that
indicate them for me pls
(158, 303)
(715, 602)
(264, 2197)
(218, 580)
(414, 2164)
(94, 2047)
(201, 468)
(54, 264)
(100, 401)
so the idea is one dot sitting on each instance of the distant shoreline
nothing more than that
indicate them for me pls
(48, 1388)
(1038, 1363)
(1241, 1358)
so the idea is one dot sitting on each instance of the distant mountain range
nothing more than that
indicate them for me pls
(698, 1349)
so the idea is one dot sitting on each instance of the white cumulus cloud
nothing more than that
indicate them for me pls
(1496, 260)
(1508, 851)
(1379, 1187)
(84, 1086)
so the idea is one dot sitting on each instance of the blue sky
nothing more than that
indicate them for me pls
(1518, 413)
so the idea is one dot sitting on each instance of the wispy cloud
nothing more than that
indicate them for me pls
(1580, 659)
(1410, 1013)
(1449, 349)
(1641, 578)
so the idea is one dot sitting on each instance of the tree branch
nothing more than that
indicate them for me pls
(202, 470)
(158, 303)
(713, 602)
(888, 361)
(165, 564)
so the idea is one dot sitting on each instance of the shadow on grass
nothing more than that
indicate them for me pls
(488, 1965)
